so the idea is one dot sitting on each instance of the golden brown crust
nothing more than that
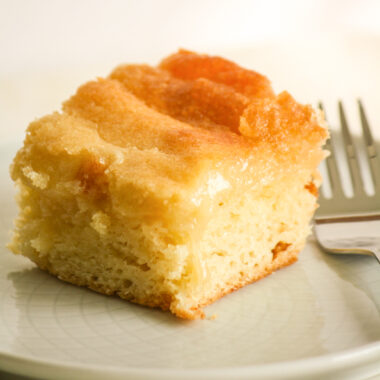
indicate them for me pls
(121, 119)
(188, 65)
(282, 120)
(200, 102)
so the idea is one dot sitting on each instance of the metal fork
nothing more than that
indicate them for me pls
(340, 210)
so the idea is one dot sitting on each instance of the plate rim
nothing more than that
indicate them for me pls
(319, 365)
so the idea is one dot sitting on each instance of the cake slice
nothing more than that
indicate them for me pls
(169, 186)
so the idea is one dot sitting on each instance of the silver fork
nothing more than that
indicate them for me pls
(340, 210)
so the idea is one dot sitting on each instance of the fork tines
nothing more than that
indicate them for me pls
(352, 157)
(372, 155)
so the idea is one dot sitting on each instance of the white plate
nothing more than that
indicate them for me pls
(317, 318)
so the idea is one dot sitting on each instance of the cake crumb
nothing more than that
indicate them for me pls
(169, 186)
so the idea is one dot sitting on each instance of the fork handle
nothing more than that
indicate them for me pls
(360, 244)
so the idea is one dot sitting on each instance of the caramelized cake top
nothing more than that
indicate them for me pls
(208, 99)
(162, 128)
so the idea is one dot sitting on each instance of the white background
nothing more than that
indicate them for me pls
(41, 34)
